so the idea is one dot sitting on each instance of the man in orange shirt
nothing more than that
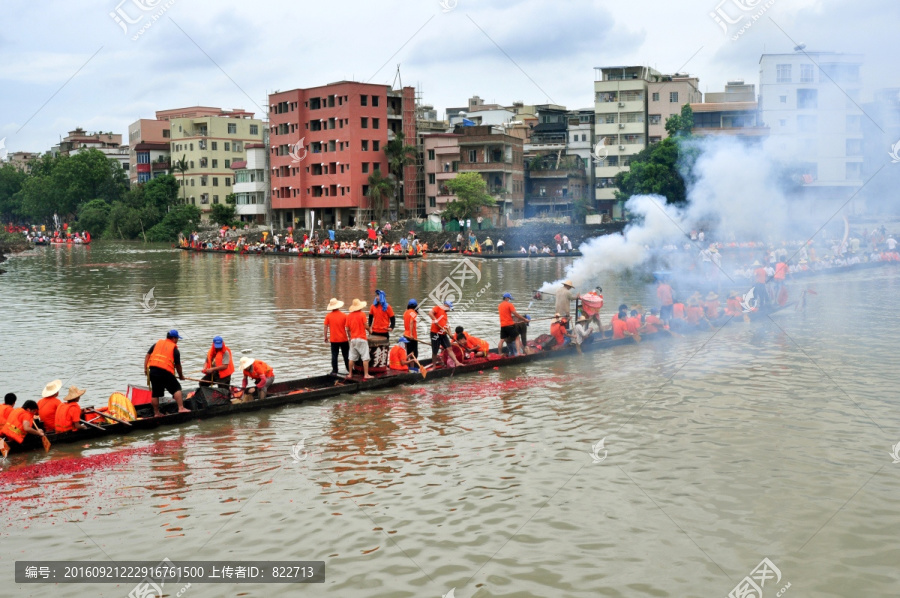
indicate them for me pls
(19, 423)
(398, 360)
(357, 330)
(760, 278)
(475, 346)
(410, 327)
(619, 323)
(633, 323)
(381, 316)
(219, 365)
(652, 323)
(559, 333)
(161, 363)
(336, 334)
(9, 403)
(666, 300)
(68, 416)
(440, 334)
(261, 373)
(509, 317)
(48, 405)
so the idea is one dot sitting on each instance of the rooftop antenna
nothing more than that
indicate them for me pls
(397, 78)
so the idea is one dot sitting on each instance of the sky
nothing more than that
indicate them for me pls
(70, 64)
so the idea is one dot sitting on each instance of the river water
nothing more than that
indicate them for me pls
(763, 440)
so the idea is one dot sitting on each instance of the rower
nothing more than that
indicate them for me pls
(582, 331)
(48, 405)
(475, 346)
(619, 323)
(357, 330)
(733, 304)
(711, 305)
(440, 330)
(694, 311)
(664, 294)
(564, 298)
(68, 416)
(9, 403)
(160, 364)
(652, 322)
(19, 423)
(398, 360)
(262, 375)
(336, 334)
(410, 327)
(558, 332)
(381, 317)
(633, 323)
(508, 332)
(219, 365)
(760, 276)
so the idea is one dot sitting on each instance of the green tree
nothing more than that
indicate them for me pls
(11, 181)
(181, 166)
(471, 194)
(381, 188)
(681, 124)
(181, 219)
(654, 170)
(223, 214)
(400, 155)
(94, 217)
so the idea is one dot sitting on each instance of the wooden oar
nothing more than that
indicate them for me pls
(211, 383)
(112, 417)
(422, 370)
(46, 442)
(87, 423)
(4, 448)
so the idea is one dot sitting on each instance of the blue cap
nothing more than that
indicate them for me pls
(413, 302)
(449, 304)
(403, 340)
(218, 343)
(527, 317)
(173, 334)
(507, 296)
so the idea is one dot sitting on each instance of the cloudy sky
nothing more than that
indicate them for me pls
(68, 64)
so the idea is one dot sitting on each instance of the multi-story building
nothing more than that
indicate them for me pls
(80, 139)
(666, 97)
(810, 103)
(119, 155)
(209, 143)
(881, 150)
(554, 177)
(22, 160)
(730, 112)
(149, 156)
(325, 143)
(252, 191)
(441, 160)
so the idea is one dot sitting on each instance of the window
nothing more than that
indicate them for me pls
(854, 123)
(192, 147)
(376, 145)
(375, 101)
(228, 181)
(782, 122)
(473, 155)
(215, 163)
(807, 99)
(376, 122)
(854, 147)
(364, 121)
(232, 128)
(215, 145)
(203, 181)
(254, 129)
(431, 178)
(431, 154)
(673, 97)
(432, 202)
(655, 119)
(227, 163)
(365, 145)
(782, 73)
(655, 96)
(192, 182)
(806, 73)
(782, 99)
(365, 167)
(854, 170)
(227, 146)
(584, 137)
(166, 133)
(363, 100)
(192, 163)
(238, 146)
(215, 181)
(215, 199)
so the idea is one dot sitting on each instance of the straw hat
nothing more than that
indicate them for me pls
(568, 283)
(756, 263)
(583, 319)
(51, 389)
(74, 393)
(246, 363)
(357, 305)
(711, 296)
(335, 304)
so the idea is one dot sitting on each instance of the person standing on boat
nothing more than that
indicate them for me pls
(19, 424)
(410, 327)
(219, 365)
(666, 299)
(9, 403)
(357, 330)
(381, 317)
(509, 317)
(48, 405)
(759, 277)
(336, 334)
(564, 299)
(260, 372)
(68, 416)
(161, 363)
(398, 359)
(440, 331)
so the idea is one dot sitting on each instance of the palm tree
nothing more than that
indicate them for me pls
(380, 188)
(400, 155)
(182, 167)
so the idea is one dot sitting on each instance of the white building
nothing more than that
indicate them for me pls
(251, 185)
(810, 100)
(119, 155)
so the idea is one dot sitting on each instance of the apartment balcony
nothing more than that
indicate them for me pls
(615, 106)
(256, 187)
(555, 174)
(544, 146)
(486, 166)
(250, 210)
(393, 113)
(160, 166)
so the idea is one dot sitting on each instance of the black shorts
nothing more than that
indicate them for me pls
(438, 342)
(162, 381)
(509, 333)
(665, 312)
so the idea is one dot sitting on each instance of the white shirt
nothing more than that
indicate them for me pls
(891, 243)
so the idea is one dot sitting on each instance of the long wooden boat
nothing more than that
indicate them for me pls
(309, 254)
(319, 387)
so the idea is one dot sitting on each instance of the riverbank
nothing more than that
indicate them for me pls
(10, 244)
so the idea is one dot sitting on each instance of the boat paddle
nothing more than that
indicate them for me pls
(107, 415)
(422, 370)
(46, 442)
(87, 423)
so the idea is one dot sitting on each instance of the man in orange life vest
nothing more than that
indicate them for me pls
(619, 323)
(410, 327)
(68, 416)
(261, 373)
(9, 403)
(381, 316)
(357, 330)
(336, 334)
(760, 277)
(160, 364)
(471, 344)
(664, 294)
(19, 423)
(398, 360)
(440, 334)
(509, 318)
(652, 323)
(48, 405)
(219, 365)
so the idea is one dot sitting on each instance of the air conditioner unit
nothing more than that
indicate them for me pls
(621, 147)
(621, 104)
(621, 126)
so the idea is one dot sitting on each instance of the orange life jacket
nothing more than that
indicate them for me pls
(14, 428)
(66, 415)
(678, 310)
(259, 370)
(214, 360)
(397, 359)
(5, 410)
(473, 344)
(163, 355)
